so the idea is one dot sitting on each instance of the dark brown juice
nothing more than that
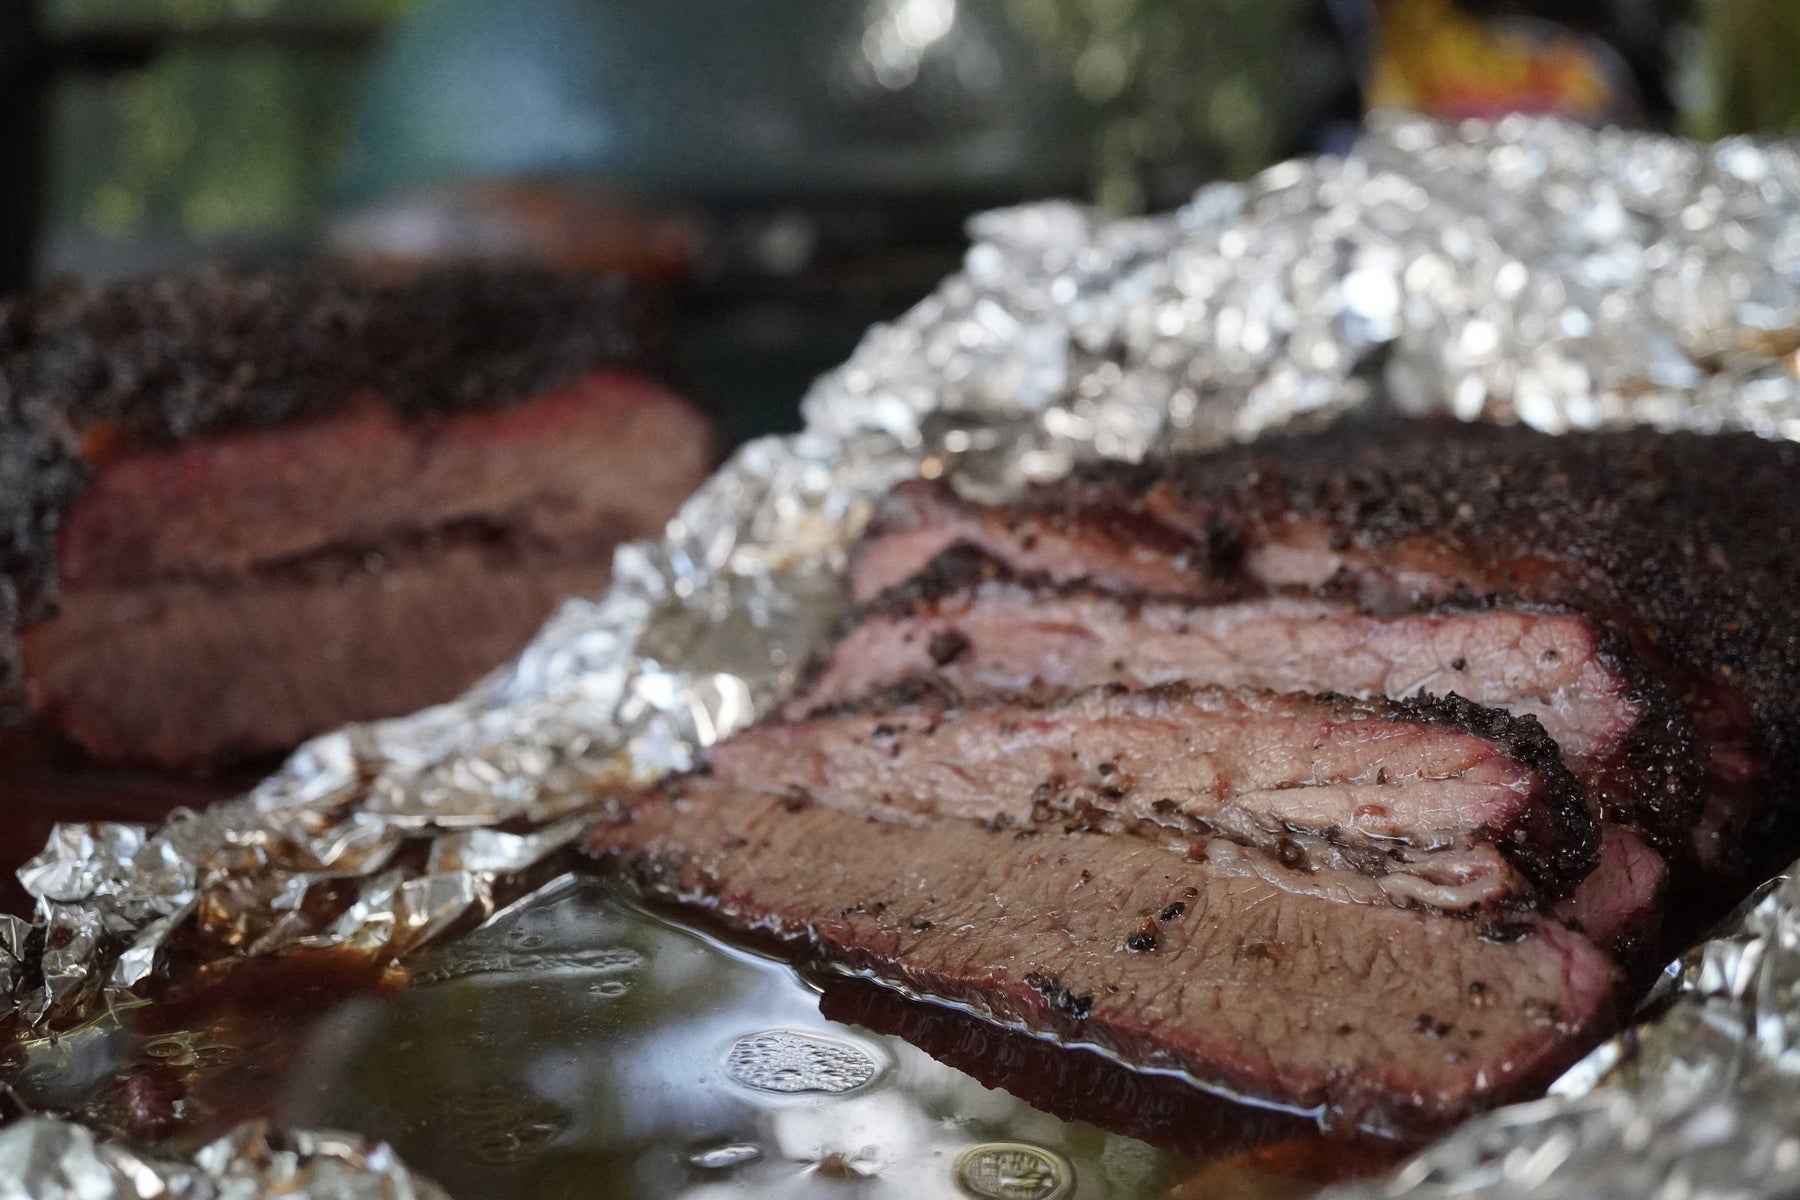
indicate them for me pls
(579, 1046)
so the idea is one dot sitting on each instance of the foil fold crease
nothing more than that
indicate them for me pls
(1525, 270)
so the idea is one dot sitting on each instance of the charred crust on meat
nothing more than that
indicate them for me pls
(946, 646)
(1685, 548)
(164, 360)
(1678, 542)
(1059, 998)
(1660, 778)
(961, 567)
(1559, 844)
(171, 357)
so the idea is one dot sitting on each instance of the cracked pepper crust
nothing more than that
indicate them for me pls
(1682, 544)
(87, 369)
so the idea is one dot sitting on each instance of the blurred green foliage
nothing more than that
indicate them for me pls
(206, 143)
(209, 144)
(1747, 82)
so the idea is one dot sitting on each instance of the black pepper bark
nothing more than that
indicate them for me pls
(1684, 544)
(1063, 1001)
(1682, 547)
(159, 361)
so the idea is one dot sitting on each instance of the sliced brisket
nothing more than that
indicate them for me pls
(1370, 1013)
(1377, 785)
(1152, 760)
(216, 669)
(1620, 905)
(1100, 540)
(985, 628)
(1680, 547)
(253, 507)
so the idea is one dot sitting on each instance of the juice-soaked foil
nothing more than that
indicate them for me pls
(1525, 270)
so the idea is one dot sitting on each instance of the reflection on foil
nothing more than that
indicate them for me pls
(1522, 270)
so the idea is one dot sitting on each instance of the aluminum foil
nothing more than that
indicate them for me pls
(1525, 270)
(42, 1157)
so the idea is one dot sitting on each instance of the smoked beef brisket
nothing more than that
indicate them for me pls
(1372, 1014)
(1678, 548)
(1347, 772)
(969, 617)
(243, 509)
(1435, 800)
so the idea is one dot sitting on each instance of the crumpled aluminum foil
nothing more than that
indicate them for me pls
(1524, 270)
(42, 1157)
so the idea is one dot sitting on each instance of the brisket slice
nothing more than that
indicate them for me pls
(1371, 1014)
(252, 508)
(1418, 795)
(985, 628)
(1681, 543)
(1100, 540)
(173, 671)
(1620, 906)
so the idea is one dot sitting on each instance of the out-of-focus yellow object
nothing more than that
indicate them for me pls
(1434, 58)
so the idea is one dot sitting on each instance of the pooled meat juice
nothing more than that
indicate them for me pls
(578, 1045)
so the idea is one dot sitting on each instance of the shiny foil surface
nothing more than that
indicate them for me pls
(1525, 270)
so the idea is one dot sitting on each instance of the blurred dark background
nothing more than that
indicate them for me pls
(790, 170)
